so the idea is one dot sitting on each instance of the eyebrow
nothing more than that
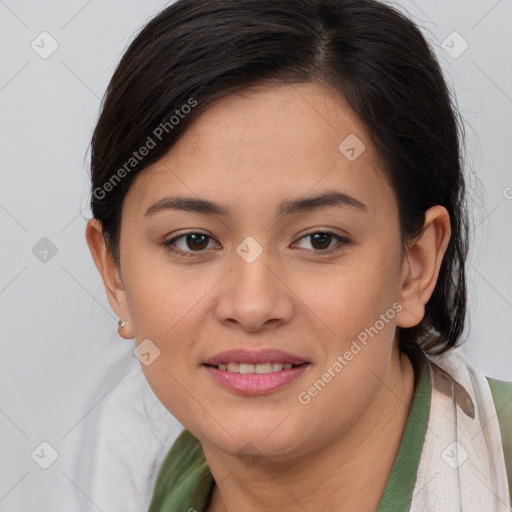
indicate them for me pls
(287, 207)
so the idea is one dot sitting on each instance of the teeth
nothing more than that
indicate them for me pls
(233, 367)
(276, 367)
(245, 368)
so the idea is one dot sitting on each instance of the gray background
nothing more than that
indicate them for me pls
(57, 330)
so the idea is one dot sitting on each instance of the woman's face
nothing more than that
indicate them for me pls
(255, 277)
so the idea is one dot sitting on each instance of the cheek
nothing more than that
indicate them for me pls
(356, 294)
(168, 305)
(162, 295)
(358, 347)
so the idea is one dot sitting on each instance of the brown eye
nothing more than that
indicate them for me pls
(321, 241)
(196, 241)
(188, 243)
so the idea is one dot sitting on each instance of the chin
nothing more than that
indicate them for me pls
(254, 440)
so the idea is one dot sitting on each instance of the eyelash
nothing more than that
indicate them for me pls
(342, 242)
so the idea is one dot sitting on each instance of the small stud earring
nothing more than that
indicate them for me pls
(121, 323)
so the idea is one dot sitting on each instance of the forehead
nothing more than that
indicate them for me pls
(287, 119)
(272, 141)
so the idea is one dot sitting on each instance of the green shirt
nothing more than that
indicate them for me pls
(185, 482)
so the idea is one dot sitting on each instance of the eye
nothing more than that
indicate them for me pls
(321, 241)
(188, 243)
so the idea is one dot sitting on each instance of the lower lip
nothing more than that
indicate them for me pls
(256, 383)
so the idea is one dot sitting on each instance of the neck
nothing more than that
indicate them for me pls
(349, 473)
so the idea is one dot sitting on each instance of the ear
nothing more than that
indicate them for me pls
(110, 273)
(421, 265)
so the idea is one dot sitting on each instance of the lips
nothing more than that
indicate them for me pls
(244, 356)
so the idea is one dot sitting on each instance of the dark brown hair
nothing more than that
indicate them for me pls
(195, 52)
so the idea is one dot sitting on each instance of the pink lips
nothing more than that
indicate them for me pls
(254, 383)
(254, 357)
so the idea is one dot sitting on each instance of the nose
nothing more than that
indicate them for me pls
(254, 295)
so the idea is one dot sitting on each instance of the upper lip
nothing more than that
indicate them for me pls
(254, 357)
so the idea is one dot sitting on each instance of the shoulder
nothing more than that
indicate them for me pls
(185, 452)
(500, 386)
(184, 477)
(462, 370)
(502, 395)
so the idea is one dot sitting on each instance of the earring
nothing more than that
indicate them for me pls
(126, 334)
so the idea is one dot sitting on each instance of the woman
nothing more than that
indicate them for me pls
(280, 223)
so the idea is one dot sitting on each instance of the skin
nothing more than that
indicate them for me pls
(251, 151)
